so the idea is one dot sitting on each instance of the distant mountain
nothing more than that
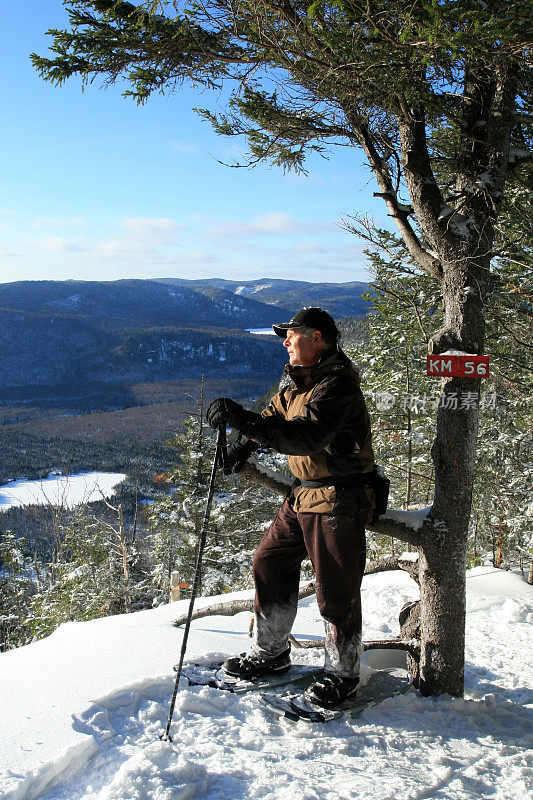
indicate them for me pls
(125, 332)
(339, 299)
(119, 333)
(51, 349)
(137, 303)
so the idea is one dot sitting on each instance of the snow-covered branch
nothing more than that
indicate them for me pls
(408, 562)
(232, 607)
(401, 525)
(254, 471)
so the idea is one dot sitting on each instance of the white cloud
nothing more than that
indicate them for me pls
(116, 248)
(308, 247)
(59, 222)
(6, 252)
(150, 225)
(275, 222)
(193, 245)
(272, 223)
(200, 257)
(57, 245)
(144, 240)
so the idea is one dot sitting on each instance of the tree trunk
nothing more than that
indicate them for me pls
(409, 432)
(410, 630)
(444, 547)
(125, 565)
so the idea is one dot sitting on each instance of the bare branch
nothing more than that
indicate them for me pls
(397, 211)
(232, 607)
(392, 563)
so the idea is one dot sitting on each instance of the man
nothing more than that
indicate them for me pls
(321, 423)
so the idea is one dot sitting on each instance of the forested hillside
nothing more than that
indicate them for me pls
(119, 333)
(39, 349)
(339, 299)
(135, 304)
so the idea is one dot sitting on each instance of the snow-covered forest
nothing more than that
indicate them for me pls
(99, 565)
(103, 564)
(436, 97)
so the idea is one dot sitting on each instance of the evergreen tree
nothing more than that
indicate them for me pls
(406, 310)
(238, 519)
(241, 515)
(85, 579)
(176, 519)
(17, 576)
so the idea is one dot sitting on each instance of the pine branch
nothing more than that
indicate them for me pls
(426, 260)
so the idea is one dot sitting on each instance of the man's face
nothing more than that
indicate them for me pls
(303, 351)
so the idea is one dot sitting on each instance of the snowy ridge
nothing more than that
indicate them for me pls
(99, 718)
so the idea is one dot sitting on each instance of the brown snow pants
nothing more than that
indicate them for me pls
(336, 546)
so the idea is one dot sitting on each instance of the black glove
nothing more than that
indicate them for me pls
(238, 453)
(224, 411)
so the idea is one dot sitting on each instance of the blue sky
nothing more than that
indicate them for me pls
(94, 187)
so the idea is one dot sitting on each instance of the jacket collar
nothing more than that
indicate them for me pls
(305, 377)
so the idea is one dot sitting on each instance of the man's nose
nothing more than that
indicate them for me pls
(286, 342)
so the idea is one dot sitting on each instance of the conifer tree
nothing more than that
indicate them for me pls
(238, 519)
(405, 309)
(17, 575)
(85, 580)
(176, 519)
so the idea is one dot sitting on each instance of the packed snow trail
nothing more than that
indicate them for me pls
(226, 747)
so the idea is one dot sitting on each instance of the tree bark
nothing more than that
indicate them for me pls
(125, 565)
(410, 629)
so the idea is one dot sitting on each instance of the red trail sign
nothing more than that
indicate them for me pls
(458, 366)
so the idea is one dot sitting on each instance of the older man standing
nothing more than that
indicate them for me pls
(321, 423)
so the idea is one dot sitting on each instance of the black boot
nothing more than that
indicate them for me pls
(332, 690)
(250, 666)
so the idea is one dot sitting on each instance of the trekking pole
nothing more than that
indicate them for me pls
(219, 460)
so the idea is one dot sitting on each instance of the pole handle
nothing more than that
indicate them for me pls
(221, 440)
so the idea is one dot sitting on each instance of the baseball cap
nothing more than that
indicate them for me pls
(315, 318)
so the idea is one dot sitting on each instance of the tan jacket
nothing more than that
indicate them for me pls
(321, 422)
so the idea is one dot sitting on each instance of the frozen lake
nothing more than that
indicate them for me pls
(261, 331)
(59, 490)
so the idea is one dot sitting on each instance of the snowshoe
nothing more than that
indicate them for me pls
(331, 690)
(250, 666)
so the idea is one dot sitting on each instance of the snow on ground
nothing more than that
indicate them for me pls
(261, 331)
(59, 490)
(82, 711)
